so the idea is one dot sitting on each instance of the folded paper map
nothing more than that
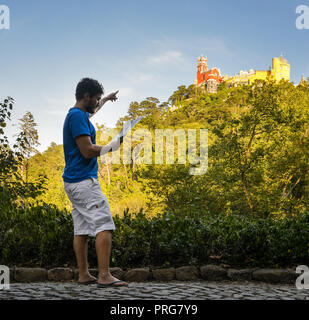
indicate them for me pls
(115, 143)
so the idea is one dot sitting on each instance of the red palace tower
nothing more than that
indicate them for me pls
(203, 74)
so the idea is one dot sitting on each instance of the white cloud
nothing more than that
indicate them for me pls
(166, 57)
(125, 92)
(144, 77)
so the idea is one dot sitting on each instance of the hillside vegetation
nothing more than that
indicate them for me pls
(250, 206)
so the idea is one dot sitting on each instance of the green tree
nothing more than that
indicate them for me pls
(28, 126)
(179, 95)
(258, 152)
(12, 186)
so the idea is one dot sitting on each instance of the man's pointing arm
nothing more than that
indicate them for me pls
(111, 97)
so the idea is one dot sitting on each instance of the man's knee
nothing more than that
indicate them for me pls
(106, 232)
(79, 237)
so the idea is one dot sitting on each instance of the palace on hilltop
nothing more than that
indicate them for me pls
(212, 78)
(280, 70)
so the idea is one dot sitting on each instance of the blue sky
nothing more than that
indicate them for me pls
(143, 48)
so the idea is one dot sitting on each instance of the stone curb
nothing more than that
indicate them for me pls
(185, 273)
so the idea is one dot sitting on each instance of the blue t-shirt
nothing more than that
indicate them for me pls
(78, 168)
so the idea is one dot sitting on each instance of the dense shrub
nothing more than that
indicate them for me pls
(43, 236)
(170, 239)
(37, 236)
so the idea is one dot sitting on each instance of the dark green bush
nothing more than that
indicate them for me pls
(200, 238)
(37, 236)
(42, 235)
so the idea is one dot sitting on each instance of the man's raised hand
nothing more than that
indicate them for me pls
(112, 96)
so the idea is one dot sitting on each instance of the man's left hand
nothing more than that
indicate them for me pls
(111, 96)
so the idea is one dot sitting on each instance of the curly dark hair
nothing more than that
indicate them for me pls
(87, 85)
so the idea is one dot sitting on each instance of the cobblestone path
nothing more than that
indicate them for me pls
(197, 290)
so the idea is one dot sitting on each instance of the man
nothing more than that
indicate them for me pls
(91, 212)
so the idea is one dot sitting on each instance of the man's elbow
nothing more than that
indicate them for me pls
(88, 153)
(87, 156)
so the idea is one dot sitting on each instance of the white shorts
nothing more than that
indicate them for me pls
(91, 212)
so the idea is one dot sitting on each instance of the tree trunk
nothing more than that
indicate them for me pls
(127, 179)
(108, 174)
(245, 190)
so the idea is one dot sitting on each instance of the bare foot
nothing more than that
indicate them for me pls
(87, 277)
(109, 279)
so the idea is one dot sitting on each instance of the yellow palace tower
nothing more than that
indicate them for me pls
(281, 69)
